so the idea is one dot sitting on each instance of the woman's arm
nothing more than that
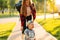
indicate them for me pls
(33, 11)
(22, 18)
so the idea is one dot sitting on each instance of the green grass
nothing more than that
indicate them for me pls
(5, 30)
(4, 38)
(7, 14)
(51, 25)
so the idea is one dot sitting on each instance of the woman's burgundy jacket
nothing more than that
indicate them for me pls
(22, 17)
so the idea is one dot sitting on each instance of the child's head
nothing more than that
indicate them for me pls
(30, 24)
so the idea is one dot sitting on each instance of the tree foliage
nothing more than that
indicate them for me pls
(38, 3)
(3, 4)
(12, 3)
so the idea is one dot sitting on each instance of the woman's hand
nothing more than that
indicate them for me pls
(21, 28)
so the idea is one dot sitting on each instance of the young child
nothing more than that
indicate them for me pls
(29, 33)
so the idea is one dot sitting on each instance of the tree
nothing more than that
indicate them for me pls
(3, 5)
(39, 5)
(11, 6)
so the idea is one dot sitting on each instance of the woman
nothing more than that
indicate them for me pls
(27, 11)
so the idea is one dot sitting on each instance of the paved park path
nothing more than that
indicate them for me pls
(40, 32)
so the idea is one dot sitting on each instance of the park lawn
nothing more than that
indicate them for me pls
(51, 25)
(5, 29)
(7, 14)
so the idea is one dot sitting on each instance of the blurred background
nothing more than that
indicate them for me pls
(48, 15)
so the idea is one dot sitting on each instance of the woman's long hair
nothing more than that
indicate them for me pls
(24, 8)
